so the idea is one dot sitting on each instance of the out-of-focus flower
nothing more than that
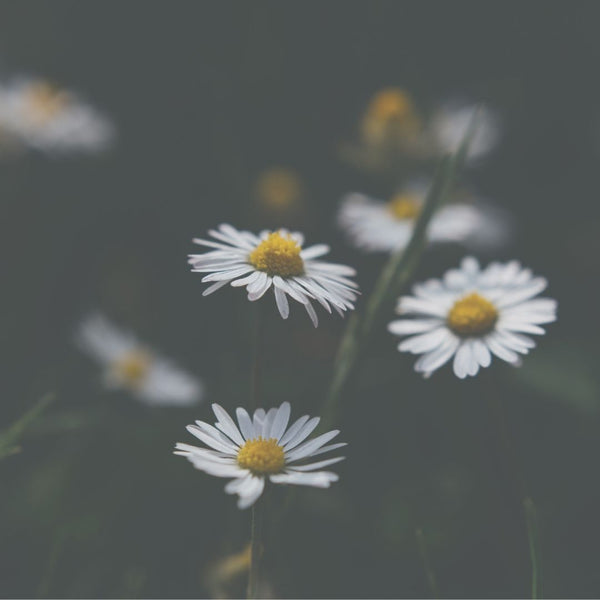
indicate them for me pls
(279, 190)
(36, 114)
(275, 259)
(130, 365)
(390, 119)
(449, 124)
(374, 225)
(472, 314)
(262, 447)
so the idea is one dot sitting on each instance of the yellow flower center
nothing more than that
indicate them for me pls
(278, 255)
(43, 101)
(472, 315)
(391, 103)
(133, 367)
(390, 118)
(278, 188)
(261, 456)
(405, 206)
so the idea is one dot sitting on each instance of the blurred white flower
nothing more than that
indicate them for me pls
(38, 115)
(130, 365)
(374, 225)
(275, 259)
(448, 126)
(472, 314)
(262, 447)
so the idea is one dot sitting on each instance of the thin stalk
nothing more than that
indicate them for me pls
(429, 573)
(526, 502)
(255, 550)
(258, 357)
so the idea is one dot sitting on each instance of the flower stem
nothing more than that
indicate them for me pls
(255, 550)
(526, 502)
(431, 579)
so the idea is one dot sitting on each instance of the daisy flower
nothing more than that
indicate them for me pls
(375, 225)
(472, 314)
(132, 366)
(449, 124)
(261, 447)
(275, 259)
(39, 115)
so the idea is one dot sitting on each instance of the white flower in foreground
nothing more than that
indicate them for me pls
(262, 447)
(374, 225)
(472, 314)
(130, 365)
(275, 259)
(36, 114)
(449, 124)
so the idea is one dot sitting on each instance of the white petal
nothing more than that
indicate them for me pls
(246, 426)
(280, 421)
(411, 326)
(307, 448)
(282, 303)
(425, 342)
(293, 430)
(211, 441)
(320, 479)
(301, 434)
(317, 465)
(228, 424)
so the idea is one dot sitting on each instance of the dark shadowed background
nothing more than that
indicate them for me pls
(206, 95)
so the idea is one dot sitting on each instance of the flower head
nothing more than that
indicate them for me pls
(130, 365)
(277, 259)
(279, 189)
(261, 447)
(376, 225)
(472, 314)
(39, 115)
(450, 122)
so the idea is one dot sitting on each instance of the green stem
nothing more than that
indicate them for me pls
(255, 551)
(431, 579)
(525, 500)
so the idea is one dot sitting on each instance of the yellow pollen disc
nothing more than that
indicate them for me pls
(472, 315)
(261, 456)
(43, 101)
(405, 206)
(390, 118)
(278, 255)
(133, 367)
(391, 103)
(278, 188)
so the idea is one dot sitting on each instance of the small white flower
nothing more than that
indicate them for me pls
(38, 115)
(130, 365)
(275, 259)
(262, 447)
(450, 122)
(472, 314)
(374, 225)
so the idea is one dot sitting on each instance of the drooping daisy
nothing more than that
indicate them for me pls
(39, 115)
(275, 259)
(375, 225)
(262, 447)
(472, 314)
(130, 365)
(450, 122)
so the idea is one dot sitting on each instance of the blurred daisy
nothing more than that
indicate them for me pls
(275, 259)
(390, 118)
(375, 225)
(472, 314)
(449, 124)
(279, 189)
(39, 115)
(262, 447)
(130, 365)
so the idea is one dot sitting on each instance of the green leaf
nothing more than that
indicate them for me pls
(9, 439)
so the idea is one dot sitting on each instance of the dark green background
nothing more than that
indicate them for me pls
(205, 95)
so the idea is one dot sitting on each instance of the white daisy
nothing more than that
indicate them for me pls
(275, 259)
(448, 126)
(39, 115)
(130, 365)
(472, 314)
(374, 225)
(262, 447)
